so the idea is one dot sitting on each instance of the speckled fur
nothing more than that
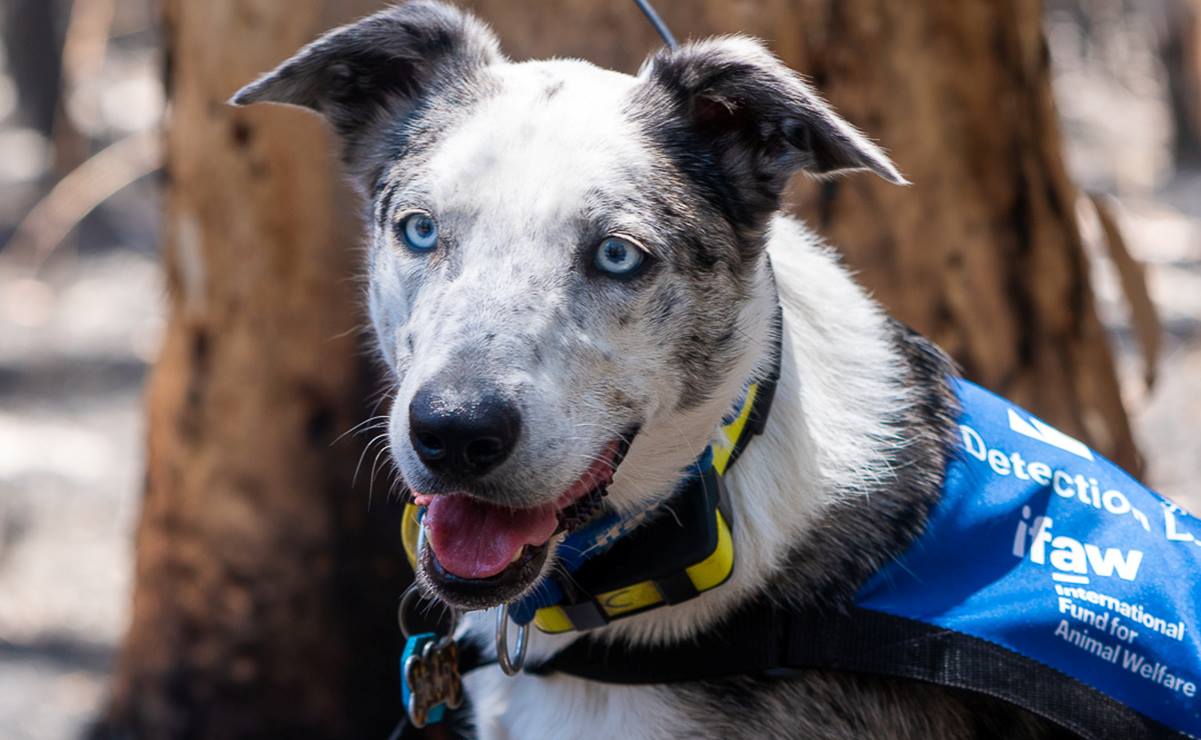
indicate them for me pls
(526, 166)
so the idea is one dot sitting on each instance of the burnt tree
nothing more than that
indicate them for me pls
(1181, 53)
(266, 582)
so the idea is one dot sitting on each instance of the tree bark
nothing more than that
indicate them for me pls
(982, 254)
(266, 582)
(265, 588)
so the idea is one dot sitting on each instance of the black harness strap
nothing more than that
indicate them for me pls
(769, 642)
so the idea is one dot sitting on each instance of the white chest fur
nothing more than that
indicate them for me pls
(530, 708)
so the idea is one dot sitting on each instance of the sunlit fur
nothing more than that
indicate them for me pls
(527, 167)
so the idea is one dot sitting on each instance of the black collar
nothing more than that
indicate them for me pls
(685, 548)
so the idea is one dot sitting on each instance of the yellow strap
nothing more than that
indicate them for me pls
(730, 433)
(709, 573)
(408, 533)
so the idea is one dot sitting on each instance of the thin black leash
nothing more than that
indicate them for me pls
(668, 38)
(649, 11)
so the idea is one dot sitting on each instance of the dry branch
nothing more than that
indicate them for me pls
(79, 193)
(1143, 315)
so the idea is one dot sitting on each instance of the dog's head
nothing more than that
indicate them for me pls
(560, 257)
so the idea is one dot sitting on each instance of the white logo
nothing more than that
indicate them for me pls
(1035, 429)
(1074, 561)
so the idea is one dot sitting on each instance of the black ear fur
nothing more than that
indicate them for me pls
(366, 74)
(759, 115)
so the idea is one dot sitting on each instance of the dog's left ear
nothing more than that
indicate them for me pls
(367, 76)
(756, 117)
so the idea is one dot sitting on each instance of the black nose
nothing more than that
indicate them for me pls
(462, 434)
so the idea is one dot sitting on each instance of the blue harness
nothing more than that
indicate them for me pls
(1044, 548)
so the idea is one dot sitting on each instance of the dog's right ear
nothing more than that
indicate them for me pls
(737, 118)
(366, 76)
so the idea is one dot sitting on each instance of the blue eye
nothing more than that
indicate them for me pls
(618, 257)
(419, 232)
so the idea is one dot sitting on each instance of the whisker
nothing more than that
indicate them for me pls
(373, 421)
(366, 448)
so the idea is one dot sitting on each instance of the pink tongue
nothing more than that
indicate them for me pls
(473, 539)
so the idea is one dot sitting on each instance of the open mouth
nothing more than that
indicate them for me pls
(481, 554)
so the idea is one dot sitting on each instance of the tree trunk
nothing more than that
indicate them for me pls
(33, 42)
(1182, 61)
(265, 590)
(982, 254)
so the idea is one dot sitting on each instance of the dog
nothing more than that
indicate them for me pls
(573, 277)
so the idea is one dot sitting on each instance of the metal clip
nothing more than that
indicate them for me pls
(411, 594)
(510, 665)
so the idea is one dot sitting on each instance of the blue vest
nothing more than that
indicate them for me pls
(1042, 547)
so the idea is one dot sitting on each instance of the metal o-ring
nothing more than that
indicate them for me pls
(406, 601)
(412, 592)
(510, 665)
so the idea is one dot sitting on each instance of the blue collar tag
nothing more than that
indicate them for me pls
(1044, 548)
(429, 678)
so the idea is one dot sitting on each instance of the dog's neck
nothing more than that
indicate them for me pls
(847, 423)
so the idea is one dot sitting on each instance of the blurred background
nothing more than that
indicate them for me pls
(82, 297)
(81, 312)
